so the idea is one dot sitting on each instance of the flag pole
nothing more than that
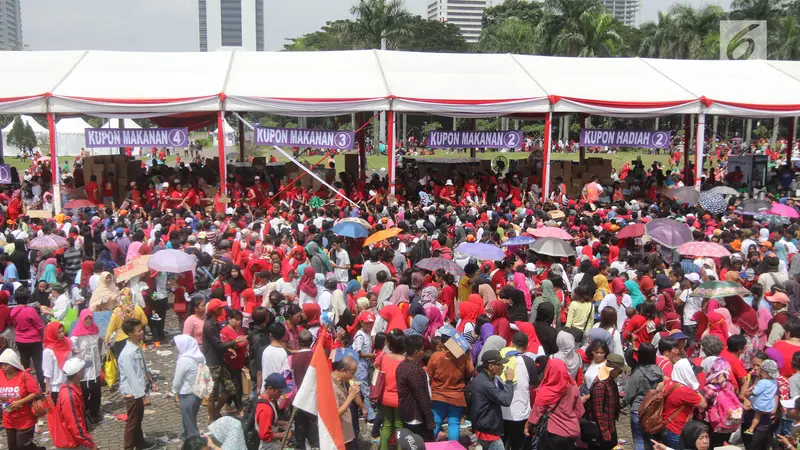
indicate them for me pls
(285, 439)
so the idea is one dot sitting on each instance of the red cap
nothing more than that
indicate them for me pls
(214, 305)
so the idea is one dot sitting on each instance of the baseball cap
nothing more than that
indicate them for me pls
(276, 381)
(778, 297)
(166, 184)
(530, 267)
(202, 235)
(214, 305)
(73, 366)
(615, 361)
(406, 440)
(492, 357)
(678, 335)
(229, 212)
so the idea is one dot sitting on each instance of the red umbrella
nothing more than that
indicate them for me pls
(707, 249)
(79, 203)
(552, 232)
(631, 231)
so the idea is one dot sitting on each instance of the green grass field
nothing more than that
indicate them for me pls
(377, 162)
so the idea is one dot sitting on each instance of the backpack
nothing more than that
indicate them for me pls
(251, 439)
(203, 383)
(725, 415)
(651, 411)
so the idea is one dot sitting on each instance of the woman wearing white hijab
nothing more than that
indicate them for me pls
(189, 360)
(565, 342)
(680, 399)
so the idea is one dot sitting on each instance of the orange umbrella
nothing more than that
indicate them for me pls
(382, 236)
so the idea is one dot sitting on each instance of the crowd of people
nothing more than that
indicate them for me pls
(520, 351)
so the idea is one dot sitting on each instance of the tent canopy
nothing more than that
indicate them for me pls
(74, 125)
(127, 123)
(149, 84)
(27, 120)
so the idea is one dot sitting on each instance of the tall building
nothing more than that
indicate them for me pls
(10, 25)
(626, 11)
(231, 23)
(465, 14)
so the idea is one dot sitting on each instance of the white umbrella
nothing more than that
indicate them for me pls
(174, 261)
(724, 190)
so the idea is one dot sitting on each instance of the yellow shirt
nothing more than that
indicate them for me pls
(116, 324)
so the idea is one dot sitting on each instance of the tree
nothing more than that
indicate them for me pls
(562, 16)
(660, 39)
(769, 10)
(430, 126)
(509, 36)
(377, 21)
(787, 44)
(695, 30)
(21, 136)
(431, 36)
(330, 37)
(593, 35)
(522, 10)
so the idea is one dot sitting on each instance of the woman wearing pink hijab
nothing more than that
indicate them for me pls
(520, 283)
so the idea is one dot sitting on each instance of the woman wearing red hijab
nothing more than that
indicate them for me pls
(500, 322)
(393, 317)
(57, 350)
(533, 340)
(558, 396)
(469, 313)
(306, 288)
(312, 313)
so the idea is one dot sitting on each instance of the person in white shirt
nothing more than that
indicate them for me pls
(274, 358)
(325, 299)
(341, 261)
(62, 302)
(57, 349)
(618, 299)
(515, 416)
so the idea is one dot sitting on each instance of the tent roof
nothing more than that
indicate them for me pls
(27, 120)
(150, 84)
(74, 125)
(228, 128)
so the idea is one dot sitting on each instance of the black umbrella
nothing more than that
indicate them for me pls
(753, 206)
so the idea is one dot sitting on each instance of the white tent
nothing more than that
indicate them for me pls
(127, 123)
(230, 134)
(71, 137)
(40, 132)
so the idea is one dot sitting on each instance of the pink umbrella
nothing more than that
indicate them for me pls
(48, 242)
(707, 249)
(552, 232)
(780, 209)
(79, 203)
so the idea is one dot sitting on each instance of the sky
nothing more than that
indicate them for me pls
(171, 25)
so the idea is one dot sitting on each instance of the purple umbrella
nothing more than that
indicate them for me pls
(48, 242)
(434, 264)
(669, 233)
(481, 251)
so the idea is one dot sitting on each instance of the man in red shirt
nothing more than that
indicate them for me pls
(92, 191)
(108, 189)
(669, 353)
(70, 430)
(789, 346)
(189, 197)
(731, 354)
(266, 411)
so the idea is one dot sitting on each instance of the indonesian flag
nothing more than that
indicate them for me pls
(315, 396)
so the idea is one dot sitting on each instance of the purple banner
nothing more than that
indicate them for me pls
(136, 137)
(300, 137)
(475, 139)
(625, 138)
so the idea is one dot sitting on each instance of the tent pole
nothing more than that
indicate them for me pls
(221, 149)
(790, 141)
(361, 137)
(686, 128)
(474, 128)
(242, 141)
(548, 122)
(698, 155)
(51, 127)
(581, 149)
(390, 149)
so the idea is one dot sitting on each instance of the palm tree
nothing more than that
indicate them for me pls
(561, 15)
(787, 45)
(769, 10)
(692, 28)
(660, 39)
(594, 35)
(377, 22)
(509, 36)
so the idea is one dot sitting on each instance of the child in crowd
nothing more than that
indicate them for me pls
(762, 395)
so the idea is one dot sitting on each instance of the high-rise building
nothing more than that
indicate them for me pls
(10, 25)
(465, 14)
(231, 23)
(626, 11)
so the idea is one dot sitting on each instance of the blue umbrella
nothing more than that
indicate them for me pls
(689, 267)
(350, 229)
(518, 240)
(481, 251)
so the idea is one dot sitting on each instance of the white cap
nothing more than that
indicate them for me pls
(166, 184)
(229, 211)
(449, 183)
(11, 358)
(693, 277)
(73, 366)
(257, 178)
(530, 267)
